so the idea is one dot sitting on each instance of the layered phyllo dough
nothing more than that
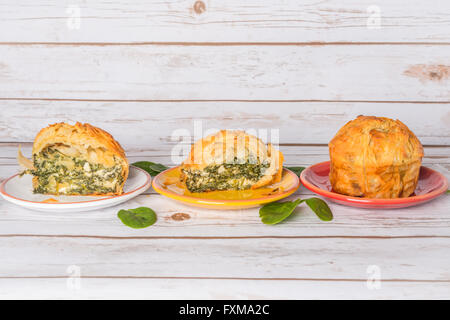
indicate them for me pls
(77, 160)
(375, 157)
(231, 160)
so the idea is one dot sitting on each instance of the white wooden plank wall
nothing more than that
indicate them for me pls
(286, 21)
(219, 72)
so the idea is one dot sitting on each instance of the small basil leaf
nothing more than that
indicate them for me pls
(152, 168)
(320, 208)
(138, 218)
(296, 170)
(276, 212)
(448, 191)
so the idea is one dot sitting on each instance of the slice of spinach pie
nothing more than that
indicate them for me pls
(231, 160)
(76, 159)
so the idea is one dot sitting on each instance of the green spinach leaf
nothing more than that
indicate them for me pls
(138, 218)
(276, 212)
(151, 167)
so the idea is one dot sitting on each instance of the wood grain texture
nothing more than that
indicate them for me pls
(214, 21)
(156, 125)
(205, 224)
(421, 259)
(144, 69)
(154, 72)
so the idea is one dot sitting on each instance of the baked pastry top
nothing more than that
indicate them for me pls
(78, 159)
(231, 160)
(375, 157)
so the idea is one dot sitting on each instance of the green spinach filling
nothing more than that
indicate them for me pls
(234, 176)
(61, 174)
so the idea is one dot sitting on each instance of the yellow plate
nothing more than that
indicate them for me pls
(166, 183)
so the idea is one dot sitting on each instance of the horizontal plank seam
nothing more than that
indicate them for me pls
(217, 237)
(226, 278)
(225, 100)
(230, 43)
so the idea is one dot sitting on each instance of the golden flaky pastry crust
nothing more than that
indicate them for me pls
(375, 158)
(225, 145)
(91, 143)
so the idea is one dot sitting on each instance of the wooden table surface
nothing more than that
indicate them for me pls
(228, 254)
(149, 72)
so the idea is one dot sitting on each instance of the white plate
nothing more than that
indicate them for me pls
(19, 191)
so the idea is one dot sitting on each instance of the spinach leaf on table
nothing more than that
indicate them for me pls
(138, 218)
(275, 212)
(320, 208)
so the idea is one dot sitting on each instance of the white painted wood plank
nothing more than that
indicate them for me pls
(432, 219)
(153, 125)
(420, 258)
(217, 21)
(428, 221)
(363, 72)
(94, 288)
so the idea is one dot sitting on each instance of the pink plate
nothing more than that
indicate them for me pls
(431, 185)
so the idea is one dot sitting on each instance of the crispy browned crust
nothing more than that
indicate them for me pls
(375, 157)
(94, 143)
(196, 158)
(202, 149)
(268, 180)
